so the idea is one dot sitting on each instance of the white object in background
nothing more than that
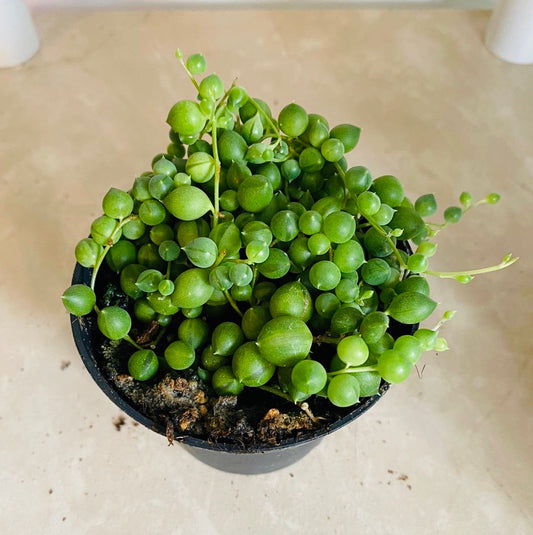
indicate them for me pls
(18, 38)
(510, 31)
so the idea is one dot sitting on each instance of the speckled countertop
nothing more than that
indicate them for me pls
(448, 453)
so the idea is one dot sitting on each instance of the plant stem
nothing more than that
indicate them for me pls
(224, 97)
(153, 345)
(353, 370)
(217, 172)
(97, 265)
(195, 83)
(275, 129)
(276, 392)
(397, 254)
(342, 174)
(132, 342)
(105, 250)
(252, 284)
(506, 262)
(232, 303)
(221, 255)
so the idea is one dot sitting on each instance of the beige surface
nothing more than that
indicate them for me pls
(450, 453)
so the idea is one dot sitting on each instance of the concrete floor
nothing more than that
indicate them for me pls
(448, 453)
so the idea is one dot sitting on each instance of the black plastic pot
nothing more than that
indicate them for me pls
(226, 457)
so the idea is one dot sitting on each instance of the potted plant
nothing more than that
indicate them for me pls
(252, 292)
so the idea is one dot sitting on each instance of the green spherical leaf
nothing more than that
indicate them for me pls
(187, 203)
(311, 160)
(192, 288)
(339, 227)
(409, 221)
(318, 244)
(143, 311)
(148, 256)
(169, 250)
(343, 390)
(164, 167)
(332, 149)
(117, 204)
(227, 238)
(284, 225)
(293, 120)
(103, 230)
(411, 307)
(324, 275)
(196, 64)
(186, 118)
(143, 364)
(409, 347)
(79, 299)
(310, 222)
(211, 87)
(309, 376)
(349, 256)
(374, 326)
(277, 265)
(253, 320)
(292, 299)
(256, 230)
(394, 367)
(226, 338)
(249, 367)
(202, 252)
(240, 274)
(231, 147)
(299, 252)
(413, 284)
(255, 193)
(121, 255)
(194, 332)
(375, 272)
(427, 338)
(225, 383)
(348, 134)
(453, 214)
(257, 251)
(152, 212)
(346, 320)
(179, 355)
(162, 304)
(241, 293)
(352, 350)
(426, 205)
(87, 252)
(369, 383)
(128, 280)
(368, 203)
(389, 190)
(200, 167)
(212, 362)
(357, 179)
(134, 229)
(114, 322)
(284, 341)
